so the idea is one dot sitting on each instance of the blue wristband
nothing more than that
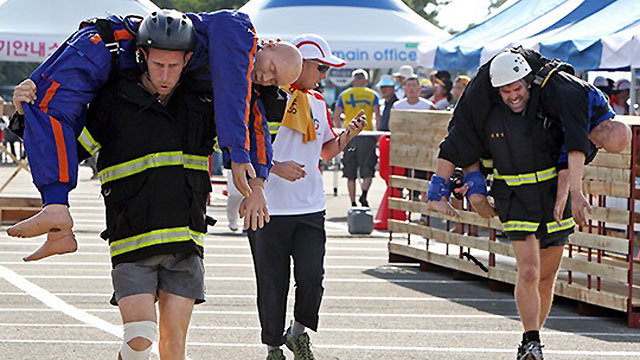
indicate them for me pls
(476, 183)
(438, 188)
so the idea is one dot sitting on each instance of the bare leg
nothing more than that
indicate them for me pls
(134, 308)
(351, 188)
(526, 292)
(366, 183)
(550, 259)
(175, 314)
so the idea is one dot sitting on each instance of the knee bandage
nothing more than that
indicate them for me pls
(139, 329)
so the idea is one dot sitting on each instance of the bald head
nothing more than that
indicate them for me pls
(611, 135)
(277, 63)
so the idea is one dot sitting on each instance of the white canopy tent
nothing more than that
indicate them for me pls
(30, 30)
(365, 33)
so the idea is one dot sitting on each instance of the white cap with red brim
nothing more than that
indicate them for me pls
(314, 47)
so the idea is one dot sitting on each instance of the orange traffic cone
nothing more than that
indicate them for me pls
(381, 221)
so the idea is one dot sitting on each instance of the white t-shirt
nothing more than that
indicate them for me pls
(422, 104)
(306, 195)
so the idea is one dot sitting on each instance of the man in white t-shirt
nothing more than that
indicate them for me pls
(411, 89)
(296, 203)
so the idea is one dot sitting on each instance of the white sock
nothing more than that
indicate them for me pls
(297, 329)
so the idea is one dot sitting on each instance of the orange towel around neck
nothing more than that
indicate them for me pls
(298, 115)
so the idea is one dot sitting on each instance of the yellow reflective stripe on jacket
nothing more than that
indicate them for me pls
(530, 178)
(197, 237)
(196, 162)
(517, 225)
(155, 237)
(88, 142)
(139, 165)
(487, 163)
(564, 225)
(273, 126)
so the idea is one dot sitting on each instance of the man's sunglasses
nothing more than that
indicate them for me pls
(323, 68)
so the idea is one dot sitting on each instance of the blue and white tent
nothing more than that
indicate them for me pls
(366, 33)
(590, 34)
(30, 30)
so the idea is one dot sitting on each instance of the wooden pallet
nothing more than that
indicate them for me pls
(14, 209)
(598, 266)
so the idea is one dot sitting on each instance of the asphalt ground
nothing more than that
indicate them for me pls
(58, 308)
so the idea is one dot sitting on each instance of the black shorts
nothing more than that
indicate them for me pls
(512, 207)
(360, 153)
(559, 238)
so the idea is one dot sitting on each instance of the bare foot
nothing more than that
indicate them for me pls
(443, 207)
(57, 243)
(53, 217)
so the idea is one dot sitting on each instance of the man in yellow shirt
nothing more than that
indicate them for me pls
(360, 153)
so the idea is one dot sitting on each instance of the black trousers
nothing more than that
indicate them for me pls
(301, 237)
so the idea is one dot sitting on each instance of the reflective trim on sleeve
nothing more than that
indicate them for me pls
(517, 225)
(274, 126)
(564, 225)
(523, 179)
(88, 142)
(169, 158)
(155, 237)
(196, 162)
(487, 163)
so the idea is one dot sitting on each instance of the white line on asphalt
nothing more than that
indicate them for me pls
(220, 247)
(589, 353)
(94, 253)
(245, 265)
(238, 278)
(354, 331)
(56, 304)
(385, 315)
(325, 297)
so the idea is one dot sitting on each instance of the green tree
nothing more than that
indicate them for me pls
(200, 5)
(496, 4)
(428, 9)
(12, 73)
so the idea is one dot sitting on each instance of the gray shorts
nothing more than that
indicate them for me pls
(178, 274)
(360, 154)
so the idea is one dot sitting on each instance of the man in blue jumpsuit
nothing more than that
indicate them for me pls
(69, 79)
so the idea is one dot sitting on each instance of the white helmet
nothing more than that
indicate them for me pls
(508, 67)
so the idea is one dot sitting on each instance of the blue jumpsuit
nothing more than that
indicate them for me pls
(70, 79)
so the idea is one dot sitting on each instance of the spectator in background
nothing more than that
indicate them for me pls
(458, 88)
(442, 75)
(360, 154)
(604, 85)
(441, 97)
(426, 89)
(329, 92)
(411, 89)
(405, 72)
(387, 90)
(413, 101)
(618, 100)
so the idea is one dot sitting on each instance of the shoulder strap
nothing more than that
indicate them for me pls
(103, 25)
(548, 69)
